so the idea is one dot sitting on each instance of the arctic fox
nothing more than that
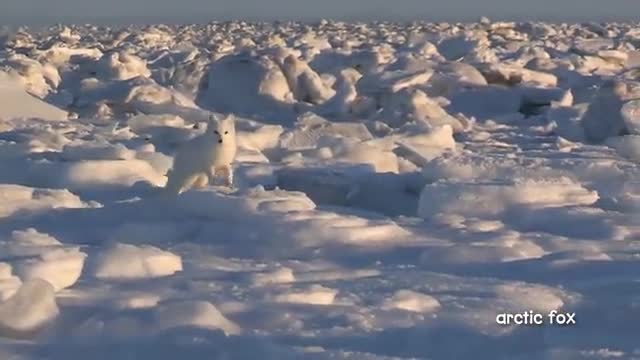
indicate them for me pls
(200, 159)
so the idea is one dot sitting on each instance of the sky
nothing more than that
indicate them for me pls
(41, 12)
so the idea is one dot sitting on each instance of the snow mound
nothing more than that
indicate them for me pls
(155, 320)
(280, 276)
(28, 310)
(486, 102)
(140, 123)
(525, 297)
(248, 86)
(15, 102)
(314, 295)
(482, 253)
(426, 145)
(286, 221)
(124, 261)
(631, 115)
(506, 74)
(89, 173)
(17, 198)
(412, 301)
(604, 117)
(121, 66)
(311, 130)
(305, 83)
(627, 146)
(225, 207)
(62, 268)
(487, 199)
(96, 152)
(261, 138)
(35, 255)
(9, 283)
(467, 167)
(192, 313)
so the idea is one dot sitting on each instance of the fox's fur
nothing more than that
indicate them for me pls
(197, 161)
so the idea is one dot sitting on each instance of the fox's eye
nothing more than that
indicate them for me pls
(216, 132)
(226, 132)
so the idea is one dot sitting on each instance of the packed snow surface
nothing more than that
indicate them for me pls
(398, 189)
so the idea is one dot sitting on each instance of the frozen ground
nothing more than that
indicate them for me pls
(398, 188)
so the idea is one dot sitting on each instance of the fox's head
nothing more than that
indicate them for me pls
(224, 130)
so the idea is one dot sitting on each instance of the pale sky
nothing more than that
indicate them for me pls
(31, 12)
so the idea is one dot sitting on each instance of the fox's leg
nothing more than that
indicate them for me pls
(227, 172)
(175, 182)
(179, 182)
(190, 181)
(201, 181)
(211, 174)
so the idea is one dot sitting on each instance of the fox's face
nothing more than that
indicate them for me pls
(223, 130)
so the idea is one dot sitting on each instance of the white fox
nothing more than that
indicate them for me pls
(197, 161)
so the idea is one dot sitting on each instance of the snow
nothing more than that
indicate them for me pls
(397, 187)
(314, 295)
(124, 261)
(412, 301)
(28, 310)
(487, 199)
(16, 102)
(17, 198)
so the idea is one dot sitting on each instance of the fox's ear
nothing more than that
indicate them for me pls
(213, 118)
(230, 118)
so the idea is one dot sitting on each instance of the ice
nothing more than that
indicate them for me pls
(125, 261)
